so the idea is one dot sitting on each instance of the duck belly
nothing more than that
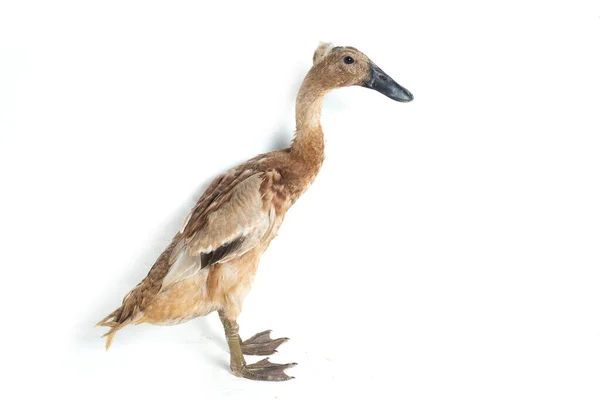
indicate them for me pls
(180, 302)
(220, 286)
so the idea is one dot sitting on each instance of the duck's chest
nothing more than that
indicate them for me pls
(295, 183)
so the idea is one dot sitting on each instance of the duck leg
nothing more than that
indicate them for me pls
(264, 370)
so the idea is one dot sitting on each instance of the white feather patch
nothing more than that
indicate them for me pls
(183, 267)
(321, 52)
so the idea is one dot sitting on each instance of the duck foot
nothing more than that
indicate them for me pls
(261, 344)
(264, 370)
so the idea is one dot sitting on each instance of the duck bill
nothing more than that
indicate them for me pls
(381, 82)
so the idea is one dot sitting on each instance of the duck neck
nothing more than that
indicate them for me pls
(309, 144)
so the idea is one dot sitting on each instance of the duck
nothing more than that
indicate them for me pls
(212, 260)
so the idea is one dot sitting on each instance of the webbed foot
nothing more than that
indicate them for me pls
(261, 344)
(264, 370)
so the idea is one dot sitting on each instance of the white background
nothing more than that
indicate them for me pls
(448, 249)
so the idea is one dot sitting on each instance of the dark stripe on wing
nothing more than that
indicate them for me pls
(208, 259)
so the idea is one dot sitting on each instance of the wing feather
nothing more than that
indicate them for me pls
(224, 225)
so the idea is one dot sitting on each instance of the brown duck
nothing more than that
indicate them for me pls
(211, 262)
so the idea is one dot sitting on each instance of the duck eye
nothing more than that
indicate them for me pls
(348, 60)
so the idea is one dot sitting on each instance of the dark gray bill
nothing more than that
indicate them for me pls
(381, 82)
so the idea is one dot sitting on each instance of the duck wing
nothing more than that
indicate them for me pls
(229, 220)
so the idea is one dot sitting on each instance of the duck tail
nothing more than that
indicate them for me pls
(119, 318)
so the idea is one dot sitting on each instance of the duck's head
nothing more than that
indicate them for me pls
(339, 67)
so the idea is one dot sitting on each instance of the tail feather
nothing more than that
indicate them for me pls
(107, 320)
(112, 321)
(119, 318)
(134, 303)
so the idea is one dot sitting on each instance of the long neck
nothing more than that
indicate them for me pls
(309, 144)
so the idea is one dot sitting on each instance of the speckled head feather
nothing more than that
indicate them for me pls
(329, 70)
